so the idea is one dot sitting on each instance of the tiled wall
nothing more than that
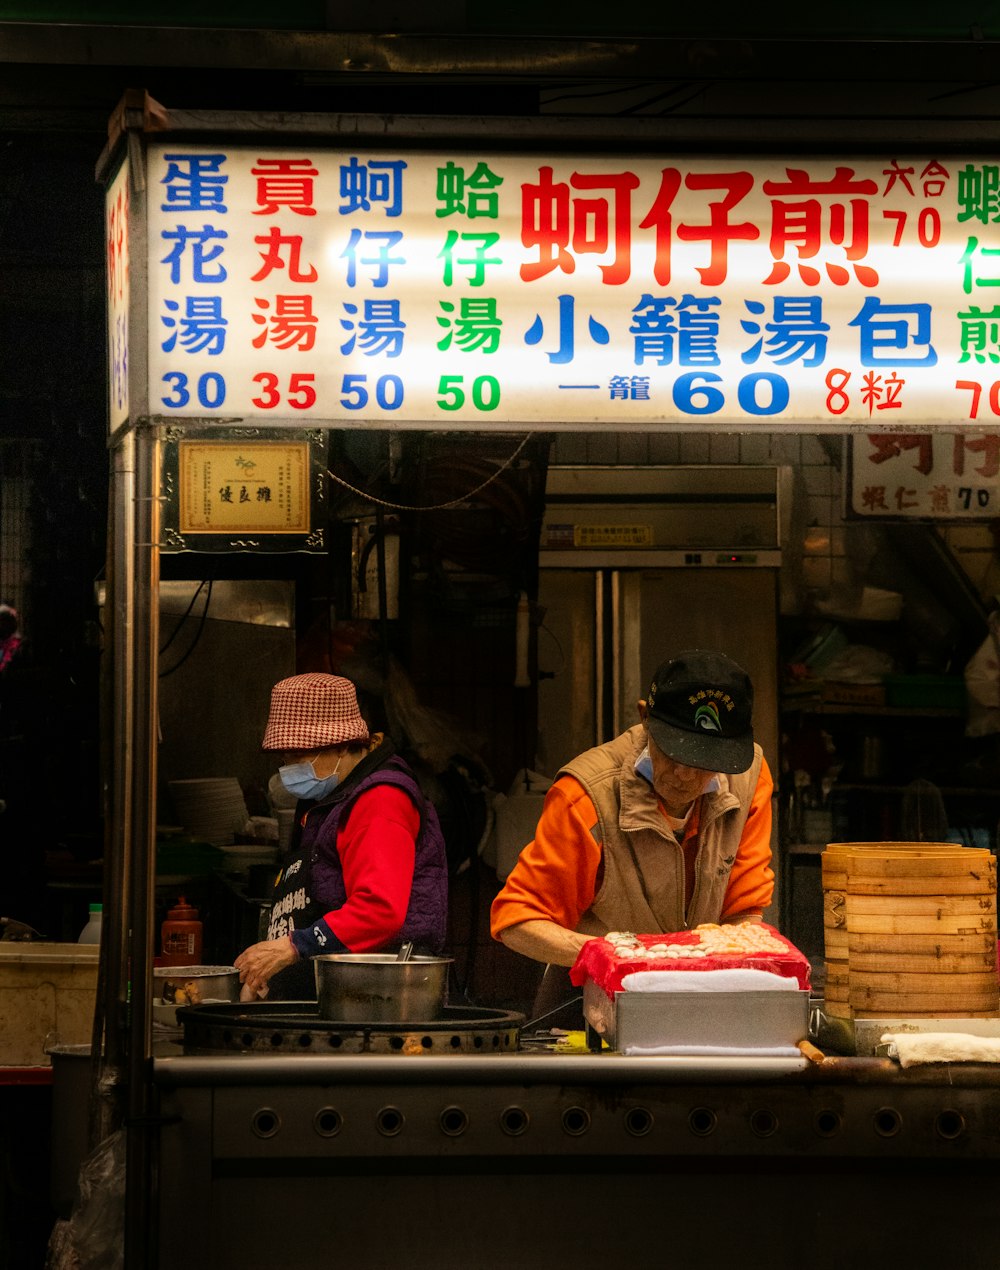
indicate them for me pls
(826, 554)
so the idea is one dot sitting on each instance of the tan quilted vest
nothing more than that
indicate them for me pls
(642, 889)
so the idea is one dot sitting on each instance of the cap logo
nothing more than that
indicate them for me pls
(706, 717)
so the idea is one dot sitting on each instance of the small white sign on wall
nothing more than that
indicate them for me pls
(941, 476)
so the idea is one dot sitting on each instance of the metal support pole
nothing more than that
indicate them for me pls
(138, 894)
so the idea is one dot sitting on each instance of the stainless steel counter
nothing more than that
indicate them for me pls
(428, 1160)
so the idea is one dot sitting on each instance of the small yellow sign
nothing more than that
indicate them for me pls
(259, 487)
(612, 535)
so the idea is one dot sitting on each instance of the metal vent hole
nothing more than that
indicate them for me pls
(389, 1121)
(265, 1122)
(454, 1121)
(702, 1121)
(763, 1123)
(828, 1122)
(575, 1120)
(949, 1125)
(514, 1121)
(328, 1122)
(638, 1121)
(887, 1122)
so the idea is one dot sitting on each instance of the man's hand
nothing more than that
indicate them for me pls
(259, 962)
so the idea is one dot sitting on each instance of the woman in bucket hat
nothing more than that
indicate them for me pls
(365, 869)
(662, 829)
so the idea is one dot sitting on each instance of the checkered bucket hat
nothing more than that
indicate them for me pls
(311, 712)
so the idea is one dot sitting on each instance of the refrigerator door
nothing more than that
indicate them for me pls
(571, 664)
(603, 632)
(659, 612)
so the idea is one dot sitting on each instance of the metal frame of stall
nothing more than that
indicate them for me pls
(124, 1084)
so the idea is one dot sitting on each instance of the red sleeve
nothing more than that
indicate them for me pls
(555, 876)
(377, 849)
(751, 881)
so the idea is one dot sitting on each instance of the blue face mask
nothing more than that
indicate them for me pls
(301, 780)
(644, 765)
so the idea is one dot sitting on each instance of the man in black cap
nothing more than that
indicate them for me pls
(662, 829)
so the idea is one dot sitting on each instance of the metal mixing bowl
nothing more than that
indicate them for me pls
(193, 985)
(378, 988)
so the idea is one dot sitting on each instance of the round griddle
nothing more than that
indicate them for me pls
(294, 1027)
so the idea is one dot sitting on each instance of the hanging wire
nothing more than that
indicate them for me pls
(197, 637)
(435, 507)
(184, 618)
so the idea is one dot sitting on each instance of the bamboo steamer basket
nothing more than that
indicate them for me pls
(833, 864)
(920, 926)
(858, 942)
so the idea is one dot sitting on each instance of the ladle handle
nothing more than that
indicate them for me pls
(405, 951)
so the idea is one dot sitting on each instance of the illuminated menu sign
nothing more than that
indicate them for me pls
(474, 289)
(116, 210)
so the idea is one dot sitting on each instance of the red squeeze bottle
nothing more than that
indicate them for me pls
(180, 936)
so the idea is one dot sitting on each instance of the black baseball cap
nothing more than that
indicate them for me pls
(699, 711)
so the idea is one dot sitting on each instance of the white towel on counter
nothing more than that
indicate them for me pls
(941, 1047)
(737, 980)
(716, 1051)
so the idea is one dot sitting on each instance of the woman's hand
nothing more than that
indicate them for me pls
(259, 962)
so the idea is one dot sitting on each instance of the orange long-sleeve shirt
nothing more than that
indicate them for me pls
(557, 874)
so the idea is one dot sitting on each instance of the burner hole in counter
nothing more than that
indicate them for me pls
(265, 1122)
(514, 1121)
(277, 1040)
(389, 1121)
(335, 1041)
(828, 1122)
(328, 1122)
(305, 1040)
(575, 1121)
(455, 1042)
(247, 1039)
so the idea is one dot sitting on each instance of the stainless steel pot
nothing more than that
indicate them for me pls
(193, 985)
(378, 988)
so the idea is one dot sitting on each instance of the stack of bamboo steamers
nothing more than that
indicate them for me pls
(910, 930)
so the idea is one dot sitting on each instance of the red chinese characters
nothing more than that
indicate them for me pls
(817, 225)
(285, 321)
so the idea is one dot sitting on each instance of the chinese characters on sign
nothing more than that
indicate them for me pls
(305, 283)
(116, 248)
(940, 475)
(251, 487)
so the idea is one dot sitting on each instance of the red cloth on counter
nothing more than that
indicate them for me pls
(599, 962)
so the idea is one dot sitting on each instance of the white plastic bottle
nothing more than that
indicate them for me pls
(91, 933)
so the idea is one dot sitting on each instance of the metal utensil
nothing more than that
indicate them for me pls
(405, 951)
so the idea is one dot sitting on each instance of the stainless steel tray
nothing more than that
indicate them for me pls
(713, 1020)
